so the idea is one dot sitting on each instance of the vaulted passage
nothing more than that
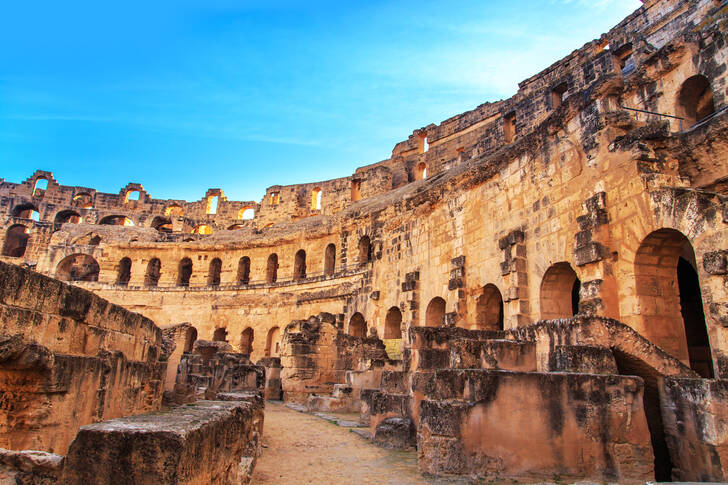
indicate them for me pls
(435, 314)
(489, 309)
(16, 241)
(357, 326)
(559, 292)
(78, 267)
(695, 100)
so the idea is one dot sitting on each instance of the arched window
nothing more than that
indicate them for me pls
(184, 272)
(271, 271)
(124, 274)
(316, 199)
(246, 213)
(669, 300)
(41, 185)
(559, 292)
(26, 211)
(365, 250)
(273, 343)
(421, 171)
(393, 324)
(299, 265)
(132, 195)
(246, 341)
(435, 314)
(695, 100)
(213, 275)
(212, 202)
(489, 309)
(174, 210)
(78, 267)
(220, 335)
(66, 216)
(162, 224)
(154, 270)
(330, 260)
(83, 200)
(357, 325)
(16, 241)
(244, 271)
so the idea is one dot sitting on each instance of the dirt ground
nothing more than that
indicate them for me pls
(301, 448)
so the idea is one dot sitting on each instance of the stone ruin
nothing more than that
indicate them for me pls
(532, 289)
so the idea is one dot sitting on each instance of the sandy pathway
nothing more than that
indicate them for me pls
(306, 449)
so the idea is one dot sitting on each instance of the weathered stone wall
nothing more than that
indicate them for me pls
(68, 358)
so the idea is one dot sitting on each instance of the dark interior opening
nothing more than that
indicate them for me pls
(691, 308)
(575, 296)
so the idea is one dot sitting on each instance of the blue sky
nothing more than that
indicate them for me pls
(185, 95)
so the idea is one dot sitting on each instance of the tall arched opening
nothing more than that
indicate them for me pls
(299, 265)
(273, 343)
(393, 324)
(489, 309)
(669, 300)
(271, 270)
(154, 270)
(357, 325)
(184, 272)
(66, 216)
(124, 273)
(246, 341)
(244, 271)
(435, 313)
(220, 334)
(213, 274)
(365, 250)
(330, 260)
(695, 100)
(559, 295)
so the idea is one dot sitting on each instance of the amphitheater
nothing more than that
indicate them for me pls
(534, 290)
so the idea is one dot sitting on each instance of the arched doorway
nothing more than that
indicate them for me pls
(330, 260)
(66, 216)
(357, 326)
(273, 343)
(184, 272)
(213, 275)
(393, 324)
(365, 250)
(489, 309)
(78, 267)
(271, 271)
(670, 303)
(124, 274)
(154, 270)
(435, 313)
(299, 265)
(16, 241)
(421, 171)
(246, 341)
(559, 296)
(695, 100)
(162, 224)
(244, 271)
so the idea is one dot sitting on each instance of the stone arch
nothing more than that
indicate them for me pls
(124, 273)
(162, 224)
(66, 216)
(78, 267)
(154, 271)
(435, 313)
(174, 210)
(220, 334)
(213, 274)
(393, 323)
(26, 211)
(40, 186)
(299, 265)
(184, 272)
(273, 343)
(357, 325)
(421, 171)
(330, 260)
(16, 241)
(203, 229)
(669, 300)
(243, 277)
(246, 341)
(83, 200)
(116, 220)
(271, 270)
(695, 100)
(246, 213)
(559, 295)
(365, 250)
(489, 309)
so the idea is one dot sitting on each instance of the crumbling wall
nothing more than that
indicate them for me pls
(69, 358)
